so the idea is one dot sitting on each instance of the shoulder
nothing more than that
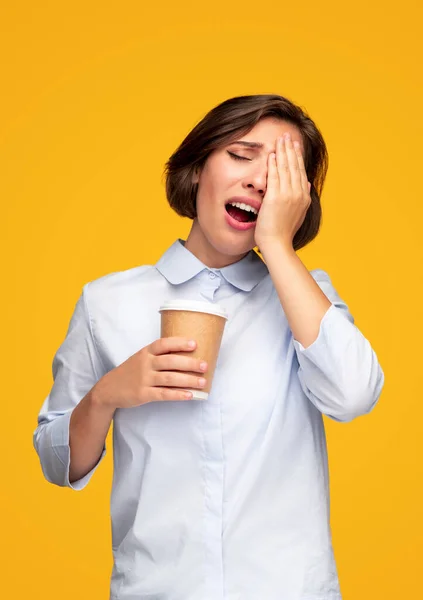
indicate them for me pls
(112, 287)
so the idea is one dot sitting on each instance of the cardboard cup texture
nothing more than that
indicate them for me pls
(201, 322)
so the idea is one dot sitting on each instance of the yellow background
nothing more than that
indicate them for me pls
(95, 97)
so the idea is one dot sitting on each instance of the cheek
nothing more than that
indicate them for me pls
(227, 180)
(217, 182)
(212, 183)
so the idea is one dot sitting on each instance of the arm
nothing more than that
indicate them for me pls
(338, 370)
(76, 416)
(71, 415)
(89, 425)
(303, 302)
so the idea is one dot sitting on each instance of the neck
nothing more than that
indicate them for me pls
(198, 245)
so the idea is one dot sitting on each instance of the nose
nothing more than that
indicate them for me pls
(257, 179)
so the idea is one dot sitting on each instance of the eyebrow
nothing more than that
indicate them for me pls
(249, 144)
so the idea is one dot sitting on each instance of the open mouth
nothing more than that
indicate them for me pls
(241, 215)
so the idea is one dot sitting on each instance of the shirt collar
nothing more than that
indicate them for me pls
(178, 265)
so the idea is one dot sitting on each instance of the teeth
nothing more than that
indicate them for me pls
(243, 206)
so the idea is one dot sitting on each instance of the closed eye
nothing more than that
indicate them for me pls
(236, 157)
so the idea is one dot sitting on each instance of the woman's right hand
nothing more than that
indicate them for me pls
(150, 375)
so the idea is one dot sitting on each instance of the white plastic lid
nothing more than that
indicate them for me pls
(196, 306)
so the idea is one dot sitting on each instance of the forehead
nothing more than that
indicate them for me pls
(266, 132)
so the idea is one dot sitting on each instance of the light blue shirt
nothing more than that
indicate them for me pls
(228, 498)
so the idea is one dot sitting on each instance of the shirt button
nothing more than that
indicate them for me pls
(212, 275)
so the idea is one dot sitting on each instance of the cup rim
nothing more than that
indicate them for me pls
(194, 306)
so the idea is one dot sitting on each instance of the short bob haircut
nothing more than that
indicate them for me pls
(227, 122)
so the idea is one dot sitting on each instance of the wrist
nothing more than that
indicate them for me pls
(99, 398)
(277, 246)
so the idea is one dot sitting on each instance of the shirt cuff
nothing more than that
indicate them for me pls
(60, 443)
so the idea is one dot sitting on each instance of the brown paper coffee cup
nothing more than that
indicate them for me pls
(203, 322)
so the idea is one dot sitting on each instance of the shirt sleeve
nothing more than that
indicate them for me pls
(339, 372)
(76, 368)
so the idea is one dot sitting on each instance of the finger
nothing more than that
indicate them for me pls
(177, 380)
(294, 167)
(158, 394)
(178, 362)
(272, 173)
(283, 164)
(170, 344)
(306, 185)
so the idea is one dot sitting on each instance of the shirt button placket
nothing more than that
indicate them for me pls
(213, 472)
(210, 285)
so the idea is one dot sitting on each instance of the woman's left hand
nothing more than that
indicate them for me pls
(287, 197)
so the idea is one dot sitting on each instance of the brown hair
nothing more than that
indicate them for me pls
(225, 123)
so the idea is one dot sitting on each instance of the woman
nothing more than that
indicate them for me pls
(224, 499)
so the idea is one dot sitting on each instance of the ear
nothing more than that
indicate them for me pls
(196, 176)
